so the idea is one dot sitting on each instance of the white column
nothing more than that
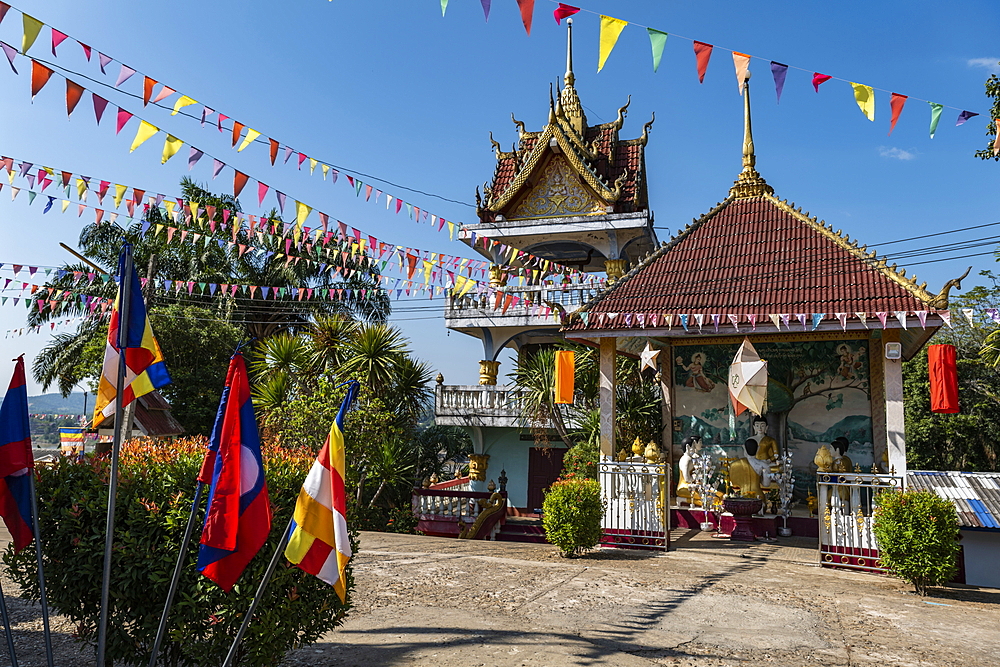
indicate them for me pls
(607, 397)
(894, 426)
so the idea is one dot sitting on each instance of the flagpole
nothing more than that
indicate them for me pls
(41, 571)
(7, 630)
(161, 630)
(257, 596)
(124, 299)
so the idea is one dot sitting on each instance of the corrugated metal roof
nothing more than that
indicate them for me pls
(755, 256)
(976, 495)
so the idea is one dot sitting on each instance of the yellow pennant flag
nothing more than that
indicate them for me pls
(865, 97)
(146, 130)
(742, 63)
(184, 101)
(65, 205)
(119, 194)
(312, 166)
(610, 30)
(81, 189)
(326, 170)
(251, 136)
(32, 27)
(301, 213)
(170, 148)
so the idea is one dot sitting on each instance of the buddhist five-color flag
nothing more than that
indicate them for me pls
(611, 29)
(318, 540)
(865, 97)
(144, 367)
(238, 518)
(16, 460)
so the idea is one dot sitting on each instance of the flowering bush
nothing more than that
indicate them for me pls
(572, 514)
(156, 484)
(917, 534)
(580, 461)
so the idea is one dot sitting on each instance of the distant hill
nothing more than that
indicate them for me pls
(55, 404)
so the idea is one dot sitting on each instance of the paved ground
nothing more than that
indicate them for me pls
(431, 601)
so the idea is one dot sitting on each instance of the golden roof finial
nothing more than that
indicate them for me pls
(552, 107)
(749, 183)
(569, 101)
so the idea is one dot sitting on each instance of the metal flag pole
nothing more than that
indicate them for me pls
(124, 298)
(41, 571)
(162, 629)
(7, 630)
(259, 594)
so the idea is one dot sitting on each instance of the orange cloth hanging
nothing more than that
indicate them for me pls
(943, 372)
(565, 371)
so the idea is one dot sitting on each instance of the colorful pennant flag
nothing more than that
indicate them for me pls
(527, 8)
(778, 72)
(611, 29)
(702, 54)
(40, 75)
(865, 97)
(819, 79)
(74, 92)
(896, 104)
(238, 518)
(32, 27)
(318, 541)
(936, 110)
(964, 116)
(741, 62)
(564, 11)
(170, 148)
(182, 101)
(145, 131)
(657, 40)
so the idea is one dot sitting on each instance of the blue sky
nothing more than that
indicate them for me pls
(398, 92)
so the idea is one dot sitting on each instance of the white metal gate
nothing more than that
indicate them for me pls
(637, 507)
(847, 502)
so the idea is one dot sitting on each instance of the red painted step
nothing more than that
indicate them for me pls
(520, 529)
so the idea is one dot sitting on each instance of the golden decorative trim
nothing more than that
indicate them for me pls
(749, 183)
(558, 193)
(940, 302)
(496, 503)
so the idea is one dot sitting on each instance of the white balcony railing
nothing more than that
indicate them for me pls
(538, 304)
(478, 405)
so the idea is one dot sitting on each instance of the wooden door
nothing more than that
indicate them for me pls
(544, 467)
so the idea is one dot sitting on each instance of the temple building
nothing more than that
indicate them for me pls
(571, 193)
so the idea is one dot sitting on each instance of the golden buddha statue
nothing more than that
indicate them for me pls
(767, 447)
(751, 475)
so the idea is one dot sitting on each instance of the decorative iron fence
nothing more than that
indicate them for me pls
(637, 504)
(847, 503)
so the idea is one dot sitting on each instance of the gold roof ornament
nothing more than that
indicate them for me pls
(749, 183)
(572, 110)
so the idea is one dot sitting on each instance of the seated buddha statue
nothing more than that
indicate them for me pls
(685, 473)
(751, 475)
(767, 447)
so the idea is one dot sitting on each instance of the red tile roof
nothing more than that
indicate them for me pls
(756, 256)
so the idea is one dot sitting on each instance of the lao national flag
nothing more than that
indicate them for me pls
(238, 519)
(16, 461)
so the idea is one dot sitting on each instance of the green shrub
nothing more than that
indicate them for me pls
(580, 461)
(917, 534)
(572, 514)
(387, 520)
(156, 485)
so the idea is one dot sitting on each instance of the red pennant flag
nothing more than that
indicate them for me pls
(147, 89)
(564, 11)
(274, 150)
(527, 12)
(3, 10)
(702, 54)
(237, 130)
(819, 79)
(39, 77)
(86, 50)
(123, 117)
(239, 181)
(74, 92)
(896, 103)
(58, 37)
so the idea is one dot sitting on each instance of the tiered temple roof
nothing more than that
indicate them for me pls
(610, 170)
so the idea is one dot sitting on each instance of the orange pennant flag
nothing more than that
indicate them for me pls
(702, 54)
(39, 77)
(527, 12)
(274, 150)
(239, 181)
(147, 89)
(74, 92)
(896, 104)
(237, 130)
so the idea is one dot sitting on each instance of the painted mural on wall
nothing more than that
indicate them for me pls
(818, 390)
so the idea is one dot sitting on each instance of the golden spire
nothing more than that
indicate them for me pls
(572, 110)
(749, 183)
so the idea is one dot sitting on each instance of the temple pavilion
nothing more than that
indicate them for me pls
(831, 317)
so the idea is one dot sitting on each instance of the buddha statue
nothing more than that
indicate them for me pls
(767, 447)
(751, 475)
(685, 473)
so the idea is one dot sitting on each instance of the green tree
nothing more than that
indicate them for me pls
(993, 92)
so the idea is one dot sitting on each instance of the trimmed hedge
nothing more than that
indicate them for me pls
(571, 515)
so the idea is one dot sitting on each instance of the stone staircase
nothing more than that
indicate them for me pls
(522, 529)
